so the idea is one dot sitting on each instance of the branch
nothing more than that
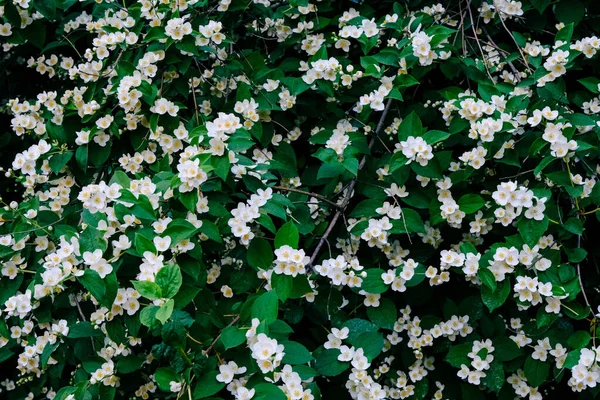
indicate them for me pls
(477, 40)
(510, 64)
(512, 37)
(210, 347)
(311, 194)
(350, 190)
(83, 318)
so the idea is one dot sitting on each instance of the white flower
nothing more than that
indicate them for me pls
(175, 386)
(162, 243)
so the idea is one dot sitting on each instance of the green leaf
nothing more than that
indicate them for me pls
(565, 33)
(531, 230)
(506, 349)
(266, 307)
(433, 137)
(571, 11)
(536, 371)
(574, 225)
(540, 5)
(371, 343)
(471, 203)
(295, 353)
(268, 391)
(211, 230)
(410, 222)
(58, 161)
(83, 329)
(46, 7)
(221, 165)
(494, 376)
(384, 316)
(356, 326)
(572, 359)
(283, 285)
(148, 316)
(81, 155)
(495, 298)
(591, 83)
(208, 385)
(179, 230)
(543, 164)
(93, 283)
(165, 311)
(366, 208)
(47, 352)
(164, 377)
(169, 279)
(143, 244)
(129, 364)
(148, 289)
(373, 283)
(457, 355)
(327, 364)
(575, 310)
(287, 235)
(232, 336)
(260, 254)
(410, 126)
(579, 339)
(487, 278)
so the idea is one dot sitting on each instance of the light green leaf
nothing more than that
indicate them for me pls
(433, 137)
(148, 289)
(165, 311)
(169, 279)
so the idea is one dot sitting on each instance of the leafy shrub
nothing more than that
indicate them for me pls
(270, 200)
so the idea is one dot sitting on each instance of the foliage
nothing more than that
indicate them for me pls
(282, 199)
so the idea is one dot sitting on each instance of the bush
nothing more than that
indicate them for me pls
(270, 199)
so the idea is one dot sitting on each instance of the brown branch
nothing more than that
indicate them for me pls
(512, 37)
(210, 347)
(510, 64)
(477, 40)
(83, 318)
(311, 194)
(350, 190)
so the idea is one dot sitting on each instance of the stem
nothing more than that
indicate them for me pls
(350, 190)
(311, 194)
(210, 347)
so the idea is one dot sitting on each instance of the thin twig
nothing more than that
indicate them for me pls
(233, 321)
(195, 102)
(83, 318)
(513, 37)
(311, 194)
(350, 191)
(477, 40)
(510, 64)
